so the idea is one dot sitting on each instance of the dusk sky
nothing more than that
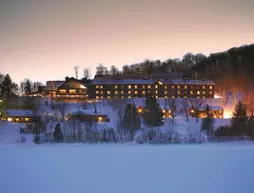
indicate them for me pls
(44, 39)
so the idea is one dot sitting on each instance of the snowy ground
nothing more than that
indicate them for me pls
(210, 168)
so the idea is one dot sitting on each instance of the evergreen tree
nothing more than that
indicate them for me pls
(251, 125)
(131, 120)
(57, 135)
(208, 122)
(7, 87)
(153, 115)
(239, 121)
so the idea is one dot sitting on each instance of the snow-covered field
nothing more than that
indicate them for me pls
(210, 168)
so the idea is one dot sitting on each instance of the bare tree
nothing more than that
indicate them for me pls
(94, 106)
(73, 125)
(87, 73)
(76, 68)
(171, 103)
(62, 107)
(197, 104)
(113, 70)
(101, 70)
(186, 109)
(248, 101)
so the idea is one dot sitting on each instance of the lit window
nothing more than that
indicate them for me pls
(101, 92)
(27, 119)
(203, 97)
(108, 92)
(72, 91)
(156, 86)
(163, 116)
(220, 112)
(97, 97)
(136, 92)
(62, 91)
(101, 97)
(97, 92)
(211, 92)
(173, 86)
(185, 96)
(169, 111)
(166, 87)
(211, 87)
(129, 86)
(17, 119)
(203, 92)
(166, 92)
(214, 116)
(198, 97)
(9, 119)
(129, 92)
(129, 96)
(156, 91)
(143, 86)
(116, 86)
(149, 86)
(220, 116)
(203, 87)
(178, 86)
(101, 87)
(116, 92)
(122, 92)
(100, 119)
(156, 96)
(97, 86)
(143, 92)
(191, 92)
(198, 92)
(122, 97)
(185, 87)
(178, 92)
(166, 96)
(108, 97)
(173, 97)
(136, 86)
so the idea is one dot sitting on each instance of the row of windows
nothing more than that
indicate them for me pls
(71, 91)
(155, 86)
(144, 92)
(155, 97)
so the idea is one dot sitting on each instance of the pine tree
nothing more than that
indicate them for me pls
(57, 135)
(131, 120)
(153, 115)
(251, 125)
(7, 87)
(208, 122)
(239, 120)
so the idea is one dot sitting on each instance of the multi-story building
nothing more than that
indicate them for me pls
(73, 90)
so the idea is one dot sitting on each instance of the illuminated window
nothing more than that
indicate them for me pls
(163, 116)
(135, 92)
(166, 96)
(191, 92)
(101, 97)
(169, 111)
(129, 92)
(97, 97)
(220, 111)
(97, 86)
(122, 92)
(108, 97)
(136, 86)
(143, 86)
(198, 92)
(27, 119)
(129, 96)
(156, 96)
(116, 92)
(198, 97)
(72, 91)
(166, 92)
(211, 87)
(178, 92)
(178, 86)
(185, 96)
(156, 86)
(62, 91)
(122, 97)
(101, 87)
(211, 92)
(156, 91)
(9, 119)
(149, 86)
(97, 92)
(185, 87)
(100, 119)
(214, 116)
(192, 111)
(203, 92)
(116, 86)
(163, 111)
(108, 91)
(143, 92)
(203, 87)
(166, 87)
(173, 86)
(17, 119)
(129, 86)
(101, 92)
(192, 87)
(203, 97)
(173, 97)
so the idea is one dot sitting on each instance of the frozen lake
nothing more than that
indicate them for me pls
(210, 168)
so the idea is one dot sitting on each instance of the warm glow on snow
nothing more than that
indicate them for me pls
(228, 114)
(216, 96)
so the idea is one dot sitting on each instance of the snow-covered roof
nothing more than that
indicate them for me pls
(19, 113)
(123, 81)
(84, 112)
(193, 82)
(217, 108)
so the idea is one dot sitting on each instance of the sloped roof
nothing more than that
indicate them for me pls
(217, 108)
(19, 113)
(193, 82)
(71, 83)
(123, 81)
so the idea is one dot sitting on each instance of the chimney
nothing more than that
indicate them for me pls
(67, 78)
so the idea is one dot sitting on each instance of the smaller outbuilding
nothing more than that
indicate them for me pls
(86, 115)
(18, 116)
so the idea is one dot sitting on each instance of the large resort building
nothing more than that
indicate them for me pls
(106, 87)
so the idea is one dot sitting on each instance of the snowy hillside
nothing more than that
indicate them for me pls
(220, 168)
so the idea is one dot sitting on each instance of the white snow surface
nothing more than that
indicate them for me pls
(79, 168)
